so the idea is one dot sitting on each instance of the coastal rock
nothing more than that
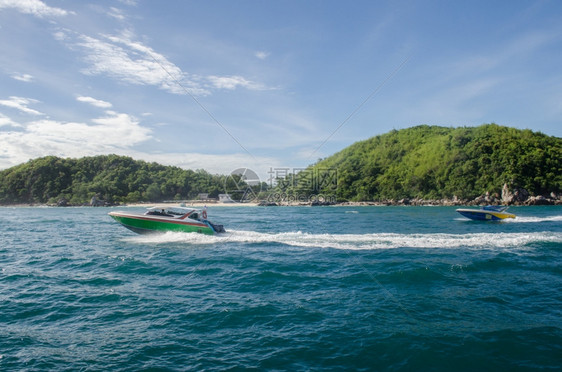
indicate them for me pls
(518, 195)
(507, 195)
(95, 202)
(451, 202)
(319, 203)
(485, 199)
(539, 200)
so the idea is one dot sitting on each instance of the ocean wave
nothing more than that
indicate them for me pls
(358, 241)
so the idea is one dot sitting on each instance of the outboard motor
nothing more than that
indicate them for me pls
(217, 228)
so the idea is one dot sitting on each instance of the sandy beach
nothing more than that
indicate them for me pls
(194, 204)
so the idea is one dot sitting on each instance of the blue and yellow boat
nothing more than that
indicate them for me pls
(487, 213)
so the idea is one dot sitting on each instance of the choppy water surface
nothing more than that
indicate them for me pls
(333, 288)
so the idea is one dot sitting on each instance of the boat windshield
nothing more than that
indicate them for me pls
(169, 211)
(494, 208)
(157, 212)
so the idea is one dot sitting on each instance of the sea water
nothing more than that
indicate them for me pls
(286, 288)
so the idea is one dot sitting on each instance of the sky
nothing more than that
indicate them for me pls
(266, 85)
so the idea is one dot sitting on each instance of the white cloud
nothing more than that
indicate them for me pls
(7, 122)
(470, 88)
(510, 53)
(232, 82)
(114, 133)
(129, 2)
(60, 35)
(212, 163)
(94, 102)
(25, 78)
(34, 7)
(20, 103)
(460, 103)
(262, 55)
(116, 13)
(121, 58)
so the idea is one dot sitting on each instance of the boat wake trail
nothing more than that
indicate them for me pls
(534, 219)
(359, 241)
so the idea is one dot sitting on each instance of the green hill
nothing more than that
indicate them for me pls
(425, 162)
(431, 162)
(113, 178)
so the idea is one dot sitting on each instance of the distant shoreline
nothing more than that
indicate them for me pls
(134, 205)
(194, 204)
(531, 201)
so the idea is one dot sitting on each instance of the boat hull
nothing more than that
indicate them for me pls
(142, 224)
(484, 215)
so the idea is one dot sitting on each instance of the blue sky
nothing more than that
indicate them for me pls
(220, 85)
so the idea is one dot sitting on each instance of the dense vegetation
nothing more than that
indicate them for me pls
(427, 162)
(112, 178)
(432, 162)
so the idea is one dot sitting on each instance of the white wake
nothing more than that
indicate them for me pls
(534, 219)
(357, 241)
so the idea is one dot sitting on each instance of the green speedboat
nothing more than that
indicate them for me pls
(162, 219)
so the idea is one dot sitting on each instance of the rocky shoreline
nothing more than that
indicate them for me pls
(480, 201)
(517, 196)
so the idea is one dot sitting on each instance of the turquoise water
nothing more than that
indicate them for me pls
(326, 288)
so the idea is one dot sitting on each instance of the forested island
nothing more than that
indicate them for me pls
(111, 178)
(489, 163)
(465, 164)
